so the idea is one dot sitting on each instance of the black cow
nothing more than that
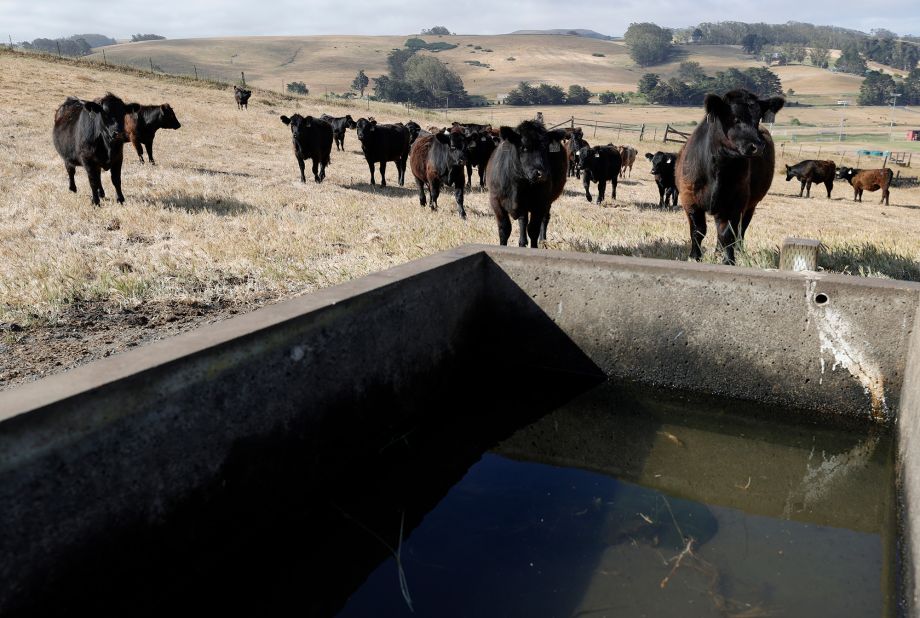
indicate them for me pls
(479, 148)
(242, 97)
(438, 159)
(141, 127)
(339, 125)
(663, 172)
(812, 171)
(600, 164)
(573, 146)
(92, 134)
(726, 168)
(414, 130)
(526, 174)
(312, 139)
(384, 142)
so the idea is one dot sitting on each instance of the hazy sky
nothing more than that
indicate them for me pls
(29, 19)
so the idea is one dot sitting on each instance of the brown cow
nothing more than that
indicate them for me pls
(867, 180)
(627, 158)
(726, 168)
(436, 160)
(142, 125)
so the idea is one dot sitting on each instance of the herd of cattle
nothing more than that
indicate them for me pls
(725, 168)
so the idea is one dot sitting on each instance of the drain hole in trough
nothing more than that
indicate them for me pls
(820, 298)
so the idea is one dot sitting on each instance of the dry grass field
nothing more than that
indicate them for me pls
(222, 224)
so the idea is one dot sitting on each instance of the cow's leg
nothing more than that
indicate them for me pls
(383, 173)
(802, 188)
(300, 164)
(370, 164)
(661, 197)
(829, 185)
(697, 219)
(116, 181)
(139, 148)
(482, 175)
(435, 186)
(149, 146)
(587, 184)
(458, 196)
(504, 225)
(71, 170)
(95, 181)
(522, 230)
(469, 176)
(322, 170)
(808, 189)
(728, 236)
(613, 189)
(533, 229)
(675, 194)
(601, 189)
(401, 168)
(884, 196)
(421, 191)
(544, 225)
(316, 171)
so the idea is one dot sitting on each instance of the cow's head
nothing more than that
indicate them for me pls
(454, 140)
(662, 162)
(846, 173)
(738, 114)
(298, 124)
(534, 145)
(789, 174)
(111, 111)
(350, 122)
(365, 126)
(169, 117)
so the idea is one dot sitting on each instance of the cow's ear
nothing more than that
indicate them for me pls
(442, 137)
(285, 120)
(773, 105)
(307, 121)
(90, 106)
(132, 108)
(165, 107)
(649, 156)
(716, 107)
(510, 135)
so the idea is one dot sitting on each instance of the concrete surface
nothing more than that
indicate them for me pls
(125, 440)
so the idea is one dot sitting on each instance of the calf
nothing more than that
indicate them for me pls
(479, 148)
(312, 138)
(91, 134)
(726, 168)
(382, 143)
(414, 129)
(141, 127)
(573, 146)
(663, 172)
(867, 180)
(242, 97)
(812, 171)
(627, 158)
(526, 174)
(339, 125)
(600, 164)
(437, 159)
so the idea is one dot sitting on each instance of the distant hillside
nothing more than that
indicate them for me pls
(489, 65)
(589, 34)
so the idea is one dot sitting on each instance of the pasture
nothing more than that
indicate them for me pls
(222, 223)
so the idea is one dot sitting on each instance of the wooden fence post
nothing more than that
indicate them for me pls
(595, 128)
(104, 59)
(196, 72)
(59, 48)
(243, 77)
(151, 64)
(641, 132)
(572, 123)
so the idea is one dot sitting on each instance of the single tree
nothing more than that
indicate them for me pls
(360, 82)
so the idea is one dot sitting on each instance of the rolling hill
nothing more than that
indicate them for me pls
(329, 63)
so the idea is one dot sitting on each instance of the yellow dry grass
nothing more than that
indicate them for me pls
(224, 215)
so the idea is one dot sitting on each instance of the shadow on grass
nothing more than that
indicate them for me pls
(223, 206)
(210, 172)
(391, 190)
(870, 261)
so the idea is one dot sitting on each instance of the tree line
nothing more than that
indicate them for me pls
(548, 94)
(692, 84)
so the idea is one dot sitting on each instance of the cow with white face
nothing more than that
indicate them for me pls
(663, 171)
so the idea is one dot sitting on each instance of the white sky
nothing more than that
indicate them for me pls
(29, 19)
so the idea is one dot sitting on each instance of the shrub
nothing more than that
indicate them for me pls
(599, 55)
(298, 88)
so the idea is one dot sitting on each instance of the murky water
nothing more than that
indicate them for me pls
(625, 504)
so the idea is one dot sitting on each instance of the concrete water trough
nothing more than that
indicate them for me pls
(128, 482)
